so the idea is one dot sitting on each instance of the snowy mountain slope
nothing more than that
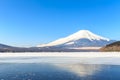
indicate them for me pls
(82, 38)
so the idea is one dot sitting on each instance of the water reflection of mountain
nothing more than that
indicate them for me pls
(81, 70)
(46, 71)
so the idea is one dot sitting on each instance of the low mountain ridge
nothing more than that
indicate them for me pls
(112, 47)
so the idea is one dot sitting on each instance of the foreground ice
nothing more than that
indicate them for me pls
(112, 58)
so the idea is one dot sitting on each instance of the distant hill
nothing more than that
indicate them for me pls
(4, 46)
(112, 47)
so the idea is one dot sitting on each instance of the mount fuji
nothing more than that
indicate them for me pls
(82, 38)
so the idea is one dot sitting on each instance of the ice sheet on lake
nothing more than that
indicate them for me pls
(60, 57)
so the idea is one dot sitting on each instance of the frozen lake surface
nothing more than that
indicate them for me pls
(112, 58)
(54, 71)
(60, 66)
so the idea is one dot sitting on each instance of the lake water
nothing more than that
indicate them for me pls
(60, 71)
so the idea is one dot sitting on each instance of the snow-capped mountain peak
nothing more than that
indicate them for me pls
(86, 34)
(82, 34)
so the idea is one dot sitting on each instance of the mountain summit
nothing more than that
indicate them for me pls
(82, 38)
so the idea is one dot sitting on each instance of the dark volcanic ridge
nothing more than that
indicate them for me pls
(112, 47)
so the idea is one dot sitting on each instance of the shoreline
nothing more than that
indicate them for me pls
(62, 54)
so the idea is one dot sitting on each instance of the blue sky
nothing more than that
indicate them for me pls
(32, 22)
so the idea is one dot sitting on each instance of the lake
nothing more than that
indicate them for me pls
(47, 71)
(60, 66)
